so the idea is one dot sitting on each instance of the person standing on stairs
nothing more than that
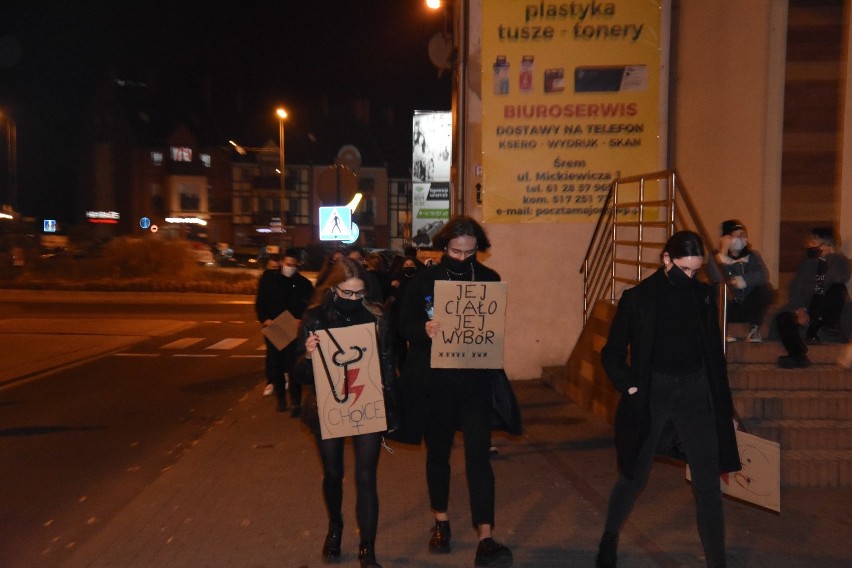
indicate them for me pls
(664, 354)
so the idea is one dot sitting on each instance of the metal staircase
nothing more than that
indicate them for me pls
(808, 411)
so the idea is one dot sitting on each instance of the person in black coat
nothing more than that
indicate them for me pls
(282, 288)
(664, 355)
(343, 301)
(437, 402)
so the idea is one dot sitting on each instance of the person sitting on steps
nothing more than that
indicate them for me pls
(747, 278)
(816, 299)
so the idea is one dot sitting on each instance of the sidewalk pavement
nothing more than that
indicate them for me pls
(248, 495)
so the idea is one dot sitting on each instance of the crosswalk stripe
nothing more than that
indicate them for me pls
(137, 354)
(194, 355)
(182, 343)
(228, 343)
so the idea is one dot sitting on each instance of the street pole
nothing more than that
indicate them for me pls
(11, 159)
(282, 114)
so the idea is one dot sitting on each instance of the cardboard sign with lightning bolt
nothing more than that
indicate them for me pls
(348, 381)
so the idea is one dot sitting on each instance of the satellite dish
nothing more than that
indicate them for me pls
(441, 51)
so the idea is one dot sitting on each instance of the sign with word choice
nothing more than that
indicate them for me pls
(348, 381)
(472, 317)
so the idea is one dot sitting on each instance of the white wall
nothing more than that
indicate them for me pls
(727, 114)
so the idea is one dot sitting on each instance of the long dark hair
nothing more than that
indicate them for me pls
(343, 270)
(461, 226)
(684, 243)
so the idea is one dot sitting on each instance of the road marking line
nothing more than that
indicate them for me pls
(182, 343)
(228, 343)
(137, 354)
(194, 355)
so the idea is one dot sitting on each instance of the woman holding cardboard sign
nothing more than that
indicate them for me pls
(347, 355)
(438, 401)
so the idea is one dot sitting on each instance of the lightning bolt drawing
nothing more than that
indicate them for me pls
(351, 378)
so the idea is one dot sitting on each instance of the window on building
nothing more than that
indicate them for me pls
(190, 200)
(158, 202)
(205, 159)
(181, 154)
(157, 158)
(299, 196)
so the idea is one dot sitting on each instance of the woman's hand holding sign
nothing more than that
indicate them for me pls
(432, 328)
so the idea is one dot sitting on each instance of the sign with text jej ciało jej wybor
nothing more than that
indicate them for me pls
(472, 318)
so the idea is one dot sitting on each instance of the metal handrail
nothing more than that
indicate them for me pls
(613, 258)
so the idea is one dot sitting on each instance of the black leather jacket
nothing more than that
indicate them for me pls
(326, 317)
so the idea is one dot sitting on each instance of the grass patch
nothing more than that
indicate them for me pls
(127, 264)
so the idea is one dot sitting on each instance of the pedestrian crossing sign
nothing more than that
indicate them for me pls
(335, 223)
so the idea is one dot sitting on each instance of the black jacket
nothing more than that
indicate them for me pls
(277, 293)
(626, 358)
(416, 376)
(324, 316)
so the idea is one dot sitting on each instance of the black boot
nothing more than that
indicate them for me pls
(331, 546)
(606, 557)
(367, 555)
(439, 542)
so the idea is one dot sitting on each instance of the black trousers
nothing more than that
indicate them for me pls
(460, 402)
(277, 363)
(685, 402)
(753, 307)
(823, 310)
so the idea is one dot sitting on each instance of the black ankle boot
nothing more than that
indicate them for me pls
(331, 546)
(439, 542)
(367, 555)
(606, 557)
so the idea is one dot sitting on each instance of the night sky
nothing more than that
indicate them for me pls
(247, 58)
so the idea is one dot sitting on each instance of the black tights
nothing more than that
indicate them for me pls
(367, 448)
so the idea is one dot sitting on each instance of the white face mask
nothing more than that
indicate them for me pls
(289, 271)
(738, 244)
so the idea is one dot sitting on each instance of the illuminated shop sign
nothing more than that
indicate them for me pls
(186, 220)
(107, 217)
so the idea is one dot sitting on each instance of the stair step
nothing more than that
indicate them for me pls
(757, 376)
(816, 468)
(805, 434)
(769, 351)
(801, 404)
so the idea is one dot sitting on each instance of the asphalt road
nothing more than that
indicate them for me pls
(101, 393)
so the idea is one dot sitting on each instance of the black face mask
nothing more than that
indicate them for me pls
(409, 271)
(459, 265)
(678, 277)
(346, 306)
(812, 252)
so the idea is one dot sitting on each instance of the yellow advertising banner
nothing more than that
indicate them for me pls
(570, 102)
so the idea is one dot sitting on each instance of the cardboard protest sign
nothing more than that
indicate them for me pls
(472, 317)
(759, 481)
(282, 331)
(348, 381)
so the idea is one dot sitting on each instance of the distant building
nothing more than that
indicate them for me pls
(138, 166)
